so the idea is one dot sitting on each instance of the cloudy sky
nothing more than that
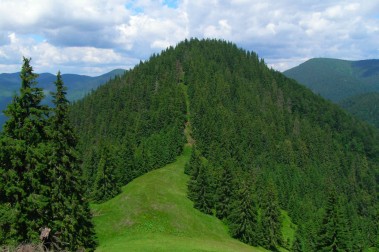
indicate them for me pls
(95, 36)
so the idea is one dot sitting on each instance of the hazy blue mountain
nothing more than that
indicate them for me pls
(78, 85)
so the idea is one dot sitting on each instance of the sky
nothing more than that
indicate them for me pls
(93, 37)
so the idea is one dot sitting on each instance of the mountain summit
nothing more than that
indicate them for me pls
(263, 145)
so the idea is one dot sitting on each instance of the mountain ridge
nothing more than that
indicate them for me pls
(350, 84)
(77, 85)
(337, 79)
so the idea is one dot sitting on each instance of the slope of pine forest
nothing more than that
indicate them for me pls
(262, 144)
(364, 106)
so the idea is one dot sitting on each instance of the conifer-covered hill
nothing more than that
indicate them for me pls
(353, 85)
(337, 79)
(263, 144)
(364, 106)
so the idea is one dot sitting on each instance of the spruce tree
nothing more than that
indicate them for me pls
(224, 192)
(200, 186)
(243, 217)
(107, 183)
(192, 168)
(23, 157)
(70, 215)
(298, 245)
(270, 219)
(333, 234)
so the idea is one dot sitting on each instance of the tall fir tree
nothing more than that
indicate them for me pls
(107, 183)
(270, 219)
(224, 192)
(70, 215)
(23, 157)
(243, 217)
(200, 186)
(298, 243)
(333, 234)
(192, 168)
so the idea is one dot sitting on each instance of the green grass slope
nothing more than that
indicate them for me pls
(153, 213)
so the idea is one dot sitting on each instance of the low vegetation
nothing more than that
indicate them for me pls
(153, 213)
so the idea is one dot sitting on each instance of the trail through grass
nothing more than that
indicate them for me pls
(153, 214)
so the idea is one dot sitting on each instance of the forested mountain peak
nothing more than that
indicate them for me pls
(279, 146)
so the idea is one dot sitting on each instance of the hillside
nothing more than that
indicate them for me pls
(152, 213)
(337, 79)
(364, 106)
(264, 144)
(77, 85)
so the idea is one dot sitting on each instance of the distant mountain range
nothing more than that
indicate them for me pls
(77, 85)
(352, 84)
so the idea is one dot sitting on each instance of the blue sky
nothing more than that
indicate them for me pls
(92, 37)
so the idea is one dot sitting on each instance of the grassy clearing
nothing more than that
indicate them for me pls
(288, 230)
(153, 214)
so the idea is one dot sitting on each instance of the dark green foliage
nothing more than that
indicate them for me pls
(70, 216)
(201, 187)
(107, 182)
(225, 190)
(24, 148)
(298, 244)
(363, 106)
(270, 219)
(275, 129)
(243, 217)
(334, 234)
(140, 115)
(40, 175)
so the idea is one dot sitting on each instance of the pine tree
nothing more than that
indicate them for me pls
(192, 168)
(333, 234)
(224, 192)
(22, 161)
(70, 219)
(297, 245)
(107, 183)
(270, 220)
(243, 217)
(200, 184)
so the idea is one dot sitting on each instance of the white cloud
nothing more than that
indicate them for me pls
(221, 30)
(85, 36)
